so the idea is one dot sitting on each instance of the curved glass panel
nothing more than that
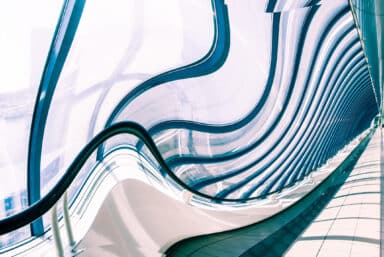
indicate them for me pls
(26, 30)
(270, 114)
(117, 46)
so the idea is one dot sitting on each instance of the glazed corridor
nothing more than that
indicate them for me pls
(226, 104)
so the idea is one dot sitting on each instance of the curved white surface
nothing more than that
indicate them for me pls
(140, 217)
(126, 208)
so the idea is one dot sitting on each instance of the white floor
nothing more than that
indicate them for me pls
(350, 224)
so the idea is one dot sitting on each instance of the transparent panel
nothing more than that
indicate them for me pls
(26, 30)
(256, 124)
(117, 46)
(241, 100)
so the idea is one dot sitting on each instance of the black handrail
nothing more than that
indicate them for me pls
(42, 206)
(39, 208)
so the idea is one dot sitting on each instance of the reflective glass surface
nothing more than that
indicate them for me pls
(26, 30)
(242, 98)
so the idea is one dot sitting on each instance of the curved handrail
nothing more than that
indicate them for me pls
(209, 63)
(177, 160)
(40, 207)
(174, 161)
(61, 43)
(243, 121)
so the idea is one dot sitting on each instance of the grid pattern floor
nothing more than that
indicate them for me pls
(350, 224)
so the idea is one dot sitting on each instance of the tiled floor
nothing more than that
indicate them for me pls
(350, 224)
